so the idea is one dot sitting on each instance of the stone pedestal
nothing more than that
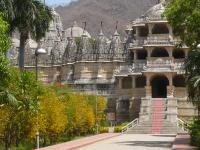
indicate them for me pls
(145, 109)
(172, 111)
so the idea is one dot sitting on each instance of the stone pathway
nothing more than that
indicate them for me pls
(134, 142)
(81, 142)
(182, 142)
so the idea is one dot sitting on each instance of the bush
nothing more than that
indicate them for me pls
(194, 130)
(103, 129)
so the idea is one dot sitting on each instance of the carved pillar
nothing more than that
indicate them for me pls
(135, 55)
(133, 82)
(170, 88)
(150, 29)
(137, 33)
(186, 53)
(148, 87)
(148, 91)
(149, 51)
(170, 31)
(120, 83)
(170, 51)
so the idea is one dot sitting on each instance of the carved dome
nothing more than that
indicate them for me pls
(76, 31)
(155, 11)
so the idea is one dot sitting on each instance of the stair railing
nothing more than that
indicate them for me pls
(183, 125)
(132, 124)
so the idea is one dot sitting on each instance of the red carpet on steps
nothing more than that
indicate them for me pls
(157, 115)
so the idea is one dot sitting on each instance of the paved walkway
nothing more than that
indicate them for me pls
(81, 142)
(182, 142)
(134, 142)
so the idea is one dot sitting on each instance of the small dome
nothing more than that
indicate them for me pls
(32, 44)
(15, 42)
(76, 31)
(155, 11)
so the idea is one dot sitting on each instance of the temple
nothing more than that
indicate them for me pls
(141, 75)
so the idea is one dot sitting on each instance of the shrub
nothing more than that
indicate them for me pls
(194, 130)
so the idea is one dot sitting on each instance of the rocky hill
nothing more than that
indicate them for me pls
(108, 11)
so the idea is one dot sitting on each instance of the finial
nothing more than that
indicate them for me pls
(116, 29)
(85, 24)
(72, 31)
(75, 24)
(101, 30)
(116, 25)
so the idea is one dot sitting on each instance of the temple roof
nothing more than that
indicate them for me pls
(76, 31)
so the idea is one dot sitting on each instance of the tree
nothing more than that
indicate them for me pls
(32, 19)
(5, 69)
(184, 16)
(7, 9)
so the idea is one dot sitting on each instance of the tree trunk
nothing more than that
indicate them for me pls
(23, 38)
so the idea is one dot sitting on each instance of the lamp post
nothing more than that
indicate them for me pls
(38, 51)
(96, 109)
(198, 46)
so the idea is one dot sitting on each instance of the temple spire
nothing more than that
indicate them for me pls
(116, 29)
(84, 27)
(101, 29)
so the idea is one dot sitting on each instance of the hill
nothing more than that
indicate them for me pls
(108, 11)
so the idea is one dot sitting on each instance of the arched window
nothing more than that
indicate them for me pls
(142, 54)
(160, 29)
(179, 81)
(178, 53)
(127, 83)
(140, 82)
(159, 52)
(143, 31)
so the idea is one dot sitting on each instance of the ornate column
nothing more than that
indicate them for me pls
(135, 55)
(149, 51)
(137, 32)
(170, 88)
(170, 51)
(150, 29)
(133, 82)
(120, 83)
(148, 87)
(170, 31)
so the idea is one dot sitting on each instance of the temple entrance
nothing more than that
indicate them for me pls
(159, 87)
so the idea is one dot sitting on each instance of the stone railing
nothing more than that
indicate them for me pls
(132, 124)
(159, 39)
(103, 92)
(160, 63)
(181, 124)
(137, 66)
(139, 42)
(179, 64)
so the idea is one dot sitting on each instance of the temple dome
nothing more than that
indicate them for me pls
(76, 31)
(156, 11)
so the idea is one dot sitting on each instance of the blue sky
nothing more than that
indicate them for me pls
(53, 2)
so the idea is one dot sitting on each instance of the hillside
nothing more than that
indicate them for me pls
(108, 11)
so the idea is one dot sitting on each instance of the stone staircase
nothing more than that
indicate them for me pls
(156, 122)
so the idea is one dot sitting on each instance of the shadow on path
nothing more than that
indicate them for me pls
(147, 143)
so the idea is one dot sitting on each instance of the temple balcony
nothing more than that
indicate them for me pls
(165, 64)
(138, 43)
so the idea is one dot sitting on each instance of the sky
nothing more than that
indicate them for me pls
(57, 2)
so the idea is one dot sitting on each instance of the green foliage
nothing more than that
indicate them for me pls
(194, 130)
(184, 16)
(4, 38)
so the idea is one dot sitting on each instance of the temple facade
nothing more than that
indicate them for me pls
(131, 72)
